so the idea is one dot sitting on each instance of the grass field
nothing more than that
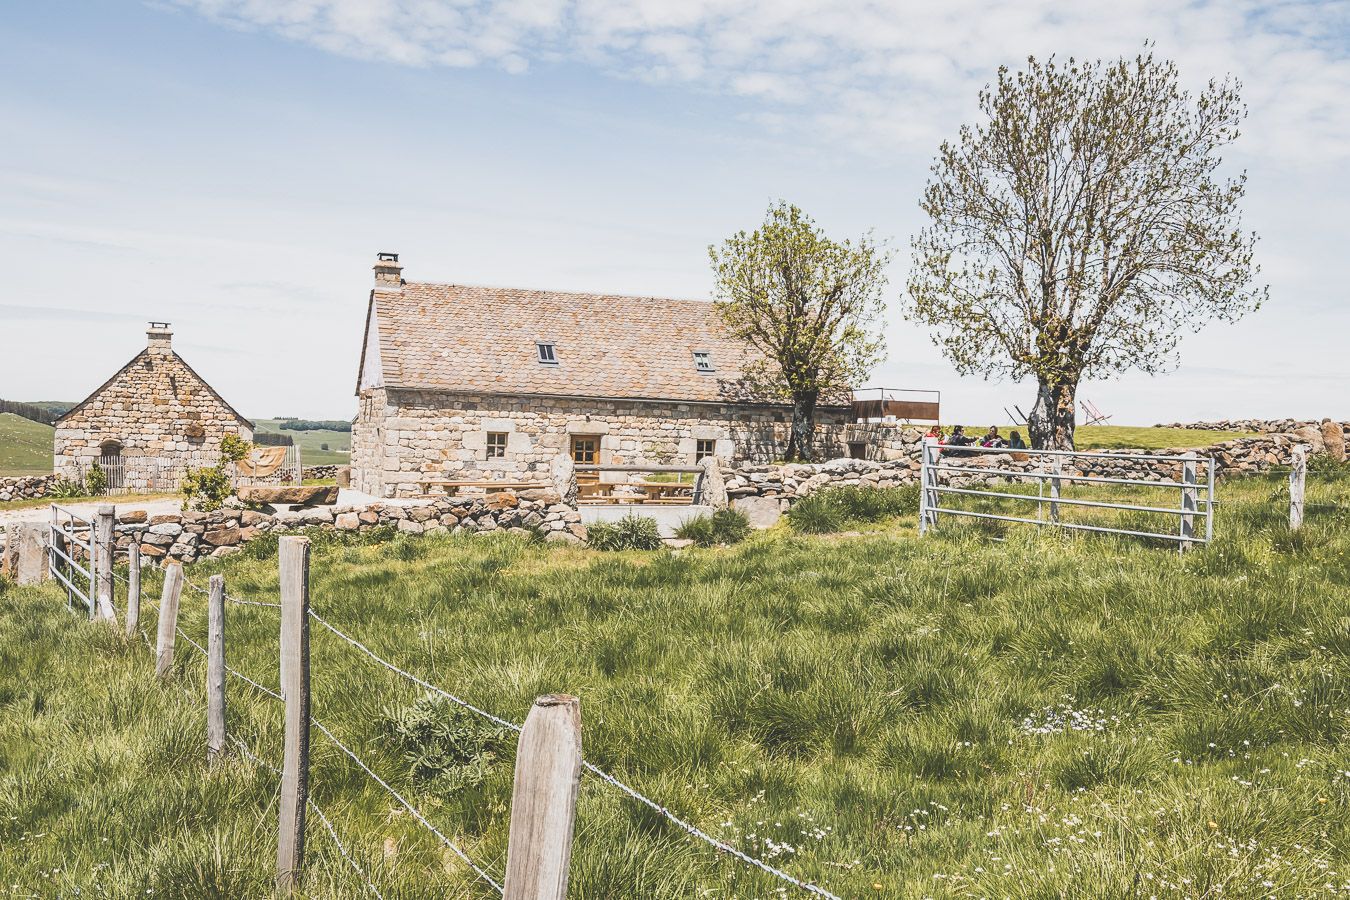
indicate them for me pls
(339, 443)
(983, 712)
(25, 446)
(1121, 437)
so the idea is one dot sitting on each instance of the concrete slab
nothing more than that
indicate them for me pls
(668, 518)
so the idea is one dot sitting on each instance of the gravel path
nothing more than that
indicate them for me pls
(89, 507)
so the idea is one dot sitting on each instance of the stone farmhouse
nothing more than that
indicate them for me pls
(468, 382)
(148, 423)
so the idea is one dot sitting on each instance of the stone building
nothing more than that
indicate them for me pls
(149, 423)
(463, 382)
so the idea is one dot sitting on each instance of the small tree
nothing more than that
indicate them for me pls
(1080, 228)
(807, 304)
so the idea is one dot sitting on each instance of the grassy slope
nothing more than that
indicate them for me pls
(855, 700)
(310, 441)
(25, 446)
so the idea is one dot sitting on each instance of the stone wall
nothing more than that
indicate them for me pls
(158, 413)
(26, 487)
(764, 491)
(402, 436)
(1263, 426)
(189, 536)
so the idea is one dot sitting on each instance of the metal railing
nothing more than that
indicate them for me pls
(1052, 475)
(63, 538)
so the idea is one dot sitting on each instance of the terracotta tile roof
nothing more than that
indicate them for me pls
(456, 337)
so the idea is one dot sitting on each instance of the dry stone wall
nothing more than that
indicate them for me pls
(401, 436)
(190, 536)
(32, 487)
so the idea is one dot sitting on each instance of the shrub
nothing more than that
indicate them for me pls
(66, 488)
(629, 533)
(831, 509)
(725, 526)
(96, 482)
(443, 744)
(233, 448)
(1324, 464)
(206, 488)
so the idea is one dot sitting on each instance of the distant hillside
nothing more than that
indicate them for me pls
(44, 411)
(311, 442)
(25, 446)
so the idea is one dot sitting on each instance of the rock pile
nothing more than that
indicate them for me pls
(30, 487)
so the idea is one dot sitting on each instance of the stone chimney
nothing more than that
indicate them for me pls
(388, 272)
(160, 338)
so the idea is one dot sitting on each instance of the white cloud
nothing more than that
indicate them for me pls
(883, 75)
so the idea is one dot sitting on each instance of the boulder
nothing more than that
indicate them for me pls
(502, 500)
(252, 518)
(563, 474)
(169, 529)
(348, 522)
(296, 495)
(222, 537)
(344, 476)
(763, 512)
(1333, 438)
(167, 519)
(132, 517)
(712, 488)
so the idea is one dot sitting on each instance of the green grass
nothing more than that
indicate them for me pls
(954, 716)
(339, 443)
(25, 446)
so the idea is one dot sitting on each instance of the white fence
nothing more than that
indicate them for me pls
(1049, 471)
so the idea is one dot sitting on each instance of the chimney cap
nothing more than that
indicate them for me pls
(386, 256)
(159, 326)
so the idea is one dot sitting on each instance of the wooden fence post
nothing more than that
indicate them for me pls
(133, 589)
(1298, 477)
(544, 800)
(1188, 500)
(293, 559)
(215, 669)
(167, 634)
(103, 562)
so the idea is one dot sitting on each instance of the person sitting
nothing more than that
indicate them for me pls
(935, 433)
(992, 438)
(1015, 441)
(959, 438)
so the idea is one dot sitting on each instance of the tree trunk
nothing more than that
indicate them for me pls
(802, 436)
(1052, 417)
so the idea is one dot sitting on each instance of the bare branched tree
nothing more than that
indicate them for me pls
(808, 305)
(1081, 228)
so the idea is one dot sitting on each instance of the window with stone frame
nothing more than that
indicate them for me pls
(585, 449)
(703, 448)
(496, 445)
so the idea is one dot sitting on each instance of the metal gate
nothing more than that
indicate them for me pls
(64, 543)
(1051, 474)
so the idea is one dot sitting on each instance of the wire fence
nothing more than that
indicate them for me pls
(417, 814)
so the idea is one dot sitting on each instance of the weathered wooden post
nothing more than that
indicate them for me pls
(544, 800)
(33, 562)
(167, 633)
(1056, 470)
(215, 669)
(103, 562)
(293, 559)
(133, 589)
(1298, 476)
(1188, 500)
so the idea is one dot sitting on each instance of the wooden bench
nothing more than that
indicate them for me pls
(451, 488)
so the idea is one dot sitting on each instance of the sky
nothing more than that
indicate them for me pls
(233, 167)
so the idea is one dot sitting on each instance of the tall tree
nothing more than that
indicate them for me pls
(808, 305)
(1080, 227)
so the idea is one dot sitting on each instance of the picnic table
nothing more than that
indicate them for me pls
(451, 488)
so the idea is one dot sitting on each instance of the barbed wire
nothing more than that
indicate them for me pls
(408, 806)
(689, 828)
(233, 599)
(318, 811)
(411, 677)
